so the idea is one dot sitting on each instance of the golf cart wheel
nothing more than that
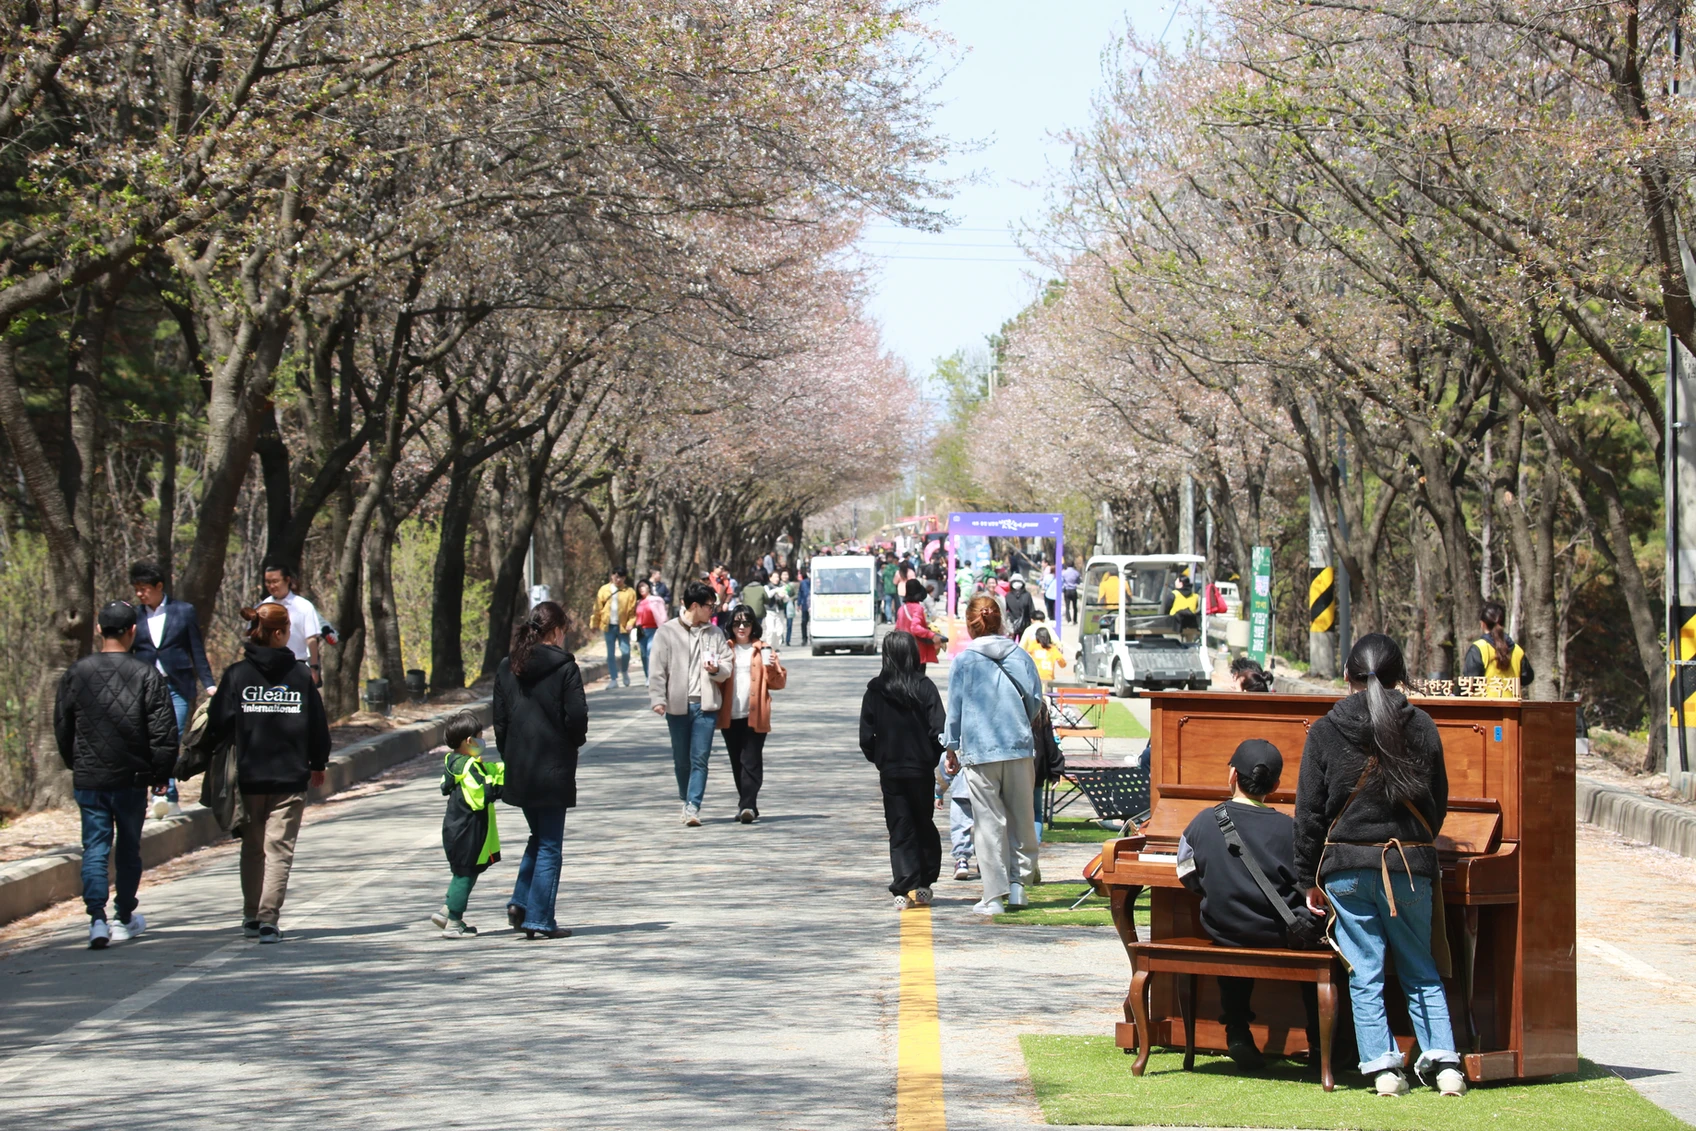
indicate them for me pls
(1121, 688)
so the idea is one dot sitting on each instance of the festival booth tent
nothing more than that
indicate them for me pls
(985, 525)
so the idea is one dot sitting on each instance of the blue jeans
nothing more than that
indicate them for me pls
(538, 872)
(691, 750)
(180, 706)
(1364, 932)
(618, 655)
(788, 627)
(645, 637)
(108, 815)
(960, 827)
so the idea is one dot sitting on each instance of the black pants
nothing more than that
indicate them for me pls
(747, 748)
(1235, 995)
(915, 849)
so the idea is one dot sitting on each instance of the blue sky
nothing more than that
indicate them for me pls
(1027, 70)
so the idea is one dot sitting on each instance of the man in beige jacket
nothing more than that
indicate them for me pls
(688, 660)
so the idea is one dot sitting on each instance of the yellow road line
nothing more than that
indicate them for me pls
(918, 1042)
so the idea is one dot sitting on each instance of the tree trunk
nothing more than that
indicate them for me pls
(279, 505)
(447, 659)
(385, 613)
(165, 528)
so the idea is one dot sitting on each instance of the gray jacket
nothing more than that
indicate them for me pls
(676, 655)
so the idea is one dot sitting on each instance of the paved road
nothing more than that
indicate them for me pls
(726, 976)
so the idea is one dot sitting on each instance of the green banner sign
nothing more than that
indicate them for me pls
(1260, 607)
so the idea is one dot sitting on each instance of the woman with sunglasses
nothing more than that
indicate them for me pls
(745, 715)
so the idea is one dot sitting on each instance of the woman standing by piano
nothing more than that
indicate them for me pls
(1371, 796)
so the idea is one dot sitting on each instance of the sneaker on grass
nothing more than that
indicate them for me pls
(1391, 1082)
(1016, 898)
(124, 932)
(1451, 1081)
(99, 934)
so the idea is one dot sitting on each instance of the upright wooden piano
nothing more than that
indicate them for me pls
(1507, 849)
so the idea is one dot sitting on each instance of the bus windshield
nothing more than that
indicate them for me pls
(836, 582)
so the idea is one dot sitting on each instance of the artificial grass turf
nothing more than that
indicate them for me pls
(1087, 1080)
(1065, 831)
(1049, 904)
(1120, 723)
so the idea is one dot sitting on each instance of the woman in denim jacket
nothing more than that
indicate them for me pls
(993, 694)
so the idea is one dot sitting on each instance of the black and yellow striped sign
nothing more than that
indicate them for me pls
(1682, 678)
(1322, 601)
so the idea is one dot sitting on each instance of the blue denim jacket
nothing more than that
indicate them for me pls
(987, 719)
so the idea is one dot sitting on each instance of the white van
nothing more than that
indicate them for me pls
(843, 612)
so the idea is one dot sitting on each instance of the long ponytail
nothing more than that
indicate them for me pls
(529, 631)
(1376, 662)
(1493, 615)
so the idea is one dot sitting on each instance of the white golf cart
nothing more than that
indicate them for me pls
(1127, 639)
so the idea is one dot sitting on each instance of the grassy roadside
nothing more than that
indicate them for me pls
(1050, 907)
(1087, 1080)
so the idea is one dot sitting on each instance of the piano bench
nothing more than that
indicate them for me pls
(1195, 957)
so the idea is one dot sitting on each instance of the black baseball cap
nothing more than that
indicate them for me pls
(1259, 765)
(117, 616)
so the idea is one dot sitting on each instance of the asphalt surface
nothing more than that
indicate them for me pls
(725, 976)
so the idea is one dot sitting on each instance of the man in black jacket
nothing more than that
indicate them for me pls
(1235, 911)
(167, 635)
(117, 735)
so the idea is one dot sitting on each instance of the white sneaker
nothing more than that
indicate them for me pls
(1451, 1082)
(158, 809)
(989, 907)
(746, 816)
(902, 903)
(691, 817)
(1016, 898)
(124, 932)
(438, 918)
(99, 934)
(1391, 1082)
(922, 897)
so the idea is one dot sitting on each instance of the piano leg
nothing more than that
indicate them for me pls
(1187, 1007)
(1327, 1028)
(1121, 904)
(1137, 1001)
(1468, 971)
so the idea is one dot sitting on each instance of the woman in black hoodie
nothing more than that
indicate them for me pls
(901, 721)
(1370, 798)
(269, 705)
(541, 720)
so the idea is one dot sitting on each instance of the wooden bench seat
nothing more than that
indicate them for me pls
(1194, 957)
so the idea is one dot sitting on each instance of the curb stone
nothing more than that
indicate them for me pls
(1640, 818)
(29, 885)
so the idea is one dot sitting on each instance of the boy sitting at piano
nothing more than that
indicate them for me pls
(1240, 857)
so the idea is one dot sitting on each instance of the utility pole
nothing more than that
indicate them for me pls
(1345, 631)
(1678, 480)
(1186, 517)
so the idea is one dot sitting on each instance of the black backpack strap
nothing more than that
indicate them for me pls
(1233, 838)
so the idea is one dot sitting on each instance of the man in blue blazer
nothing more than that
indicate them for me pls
(167, 636)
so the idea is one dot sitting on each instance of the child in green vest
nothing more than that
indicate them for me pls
(469, 837)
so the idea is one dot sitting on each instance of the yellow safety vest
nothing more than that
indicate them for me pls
(1183, 604)
(1494, 670)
